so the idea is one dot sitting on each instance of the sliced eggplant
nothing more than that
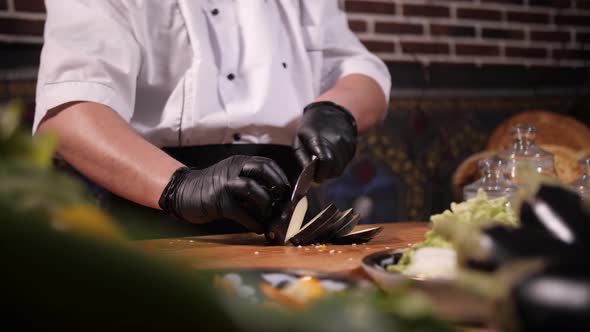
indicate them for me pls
(359, 236)
(288, 223)
(326, 233)
(306, 234)
(330, 225)
(347, 225)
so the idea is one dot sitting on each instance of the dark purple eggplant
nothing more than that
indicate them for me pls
(559, 212)
(347, 226)
(555, 298)
(282, 228)
(305, 235)
(358, 237)
(327, 232)
(504, 244)
(330, 225)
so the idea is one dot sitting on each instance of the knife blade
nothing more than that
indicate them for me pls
(305, 180)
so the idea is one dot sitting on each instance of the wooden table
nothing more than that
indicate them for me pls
(250, 251)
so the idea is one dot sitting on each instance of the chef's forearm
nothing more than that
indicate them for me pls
(361, 95)
(102, 146)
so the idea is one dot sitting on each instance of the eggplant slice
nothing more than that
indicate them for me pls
(325, 233)
(348, 225)
(323, 219)
(359, 236)
(288, 223)
(330, 225)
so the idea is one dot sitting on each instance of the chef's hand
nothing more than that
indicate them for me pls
(328, 131)
(240, 188)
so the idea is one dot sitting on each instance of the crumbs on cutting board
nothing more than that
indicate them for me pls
(321, 247)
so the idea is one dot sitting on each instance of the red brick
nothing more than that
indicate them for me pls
(577, 20)
(3, 5)
(527, 17)
(369, 7)
(398, 28)
(583, 37)
(482, 50)
(424, 48)
(21, 27)
(551, 36)
(30, 5)
(551, 3)
(357, 25)
(379, 46)
(502, 33)
(513, 2)
(426, 11)
(452, 30)
(479, 14)
(526, 52)
(571, 54)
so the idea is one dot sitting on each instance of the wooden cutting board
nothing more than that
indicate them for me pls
(249, 250)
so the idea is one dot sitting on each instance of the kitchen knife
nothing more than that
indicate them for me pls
(282, 228)
(305, 180)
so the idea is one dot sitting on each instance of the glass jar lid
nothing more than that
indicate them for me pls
(582, 184)
(524, 151)
(493, 182)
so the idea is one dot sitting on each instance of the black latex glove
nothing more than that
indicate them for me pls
(329, 132)
(240, 188)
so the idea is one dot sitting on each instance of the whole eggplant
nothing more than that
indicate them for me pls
(555, 298)
(553, 224)
(559, 212)
(502, 245)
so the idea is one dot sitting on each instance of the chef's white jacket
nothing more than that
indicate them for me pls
(191, 72)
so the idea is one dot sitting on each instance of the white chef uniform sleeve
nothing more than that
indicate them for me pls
(343, 53)
(89, 54)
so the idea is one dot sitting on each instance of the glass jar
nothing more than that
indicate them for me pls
(524, 152)
(493, 183)
(582, 184)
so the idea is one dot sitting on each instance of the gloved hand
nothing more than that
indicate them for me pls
(240, 188)
(329, 132)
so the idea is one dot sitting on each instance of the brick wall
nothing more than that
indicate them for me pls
(529, 32)
(473, 44)
(458, 68)
(546, 32)
(22, 21)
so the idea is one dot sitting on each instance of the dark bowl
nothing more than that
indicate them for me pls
(449, 300)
